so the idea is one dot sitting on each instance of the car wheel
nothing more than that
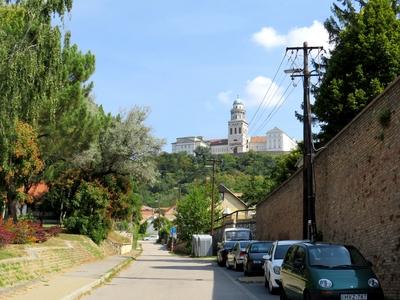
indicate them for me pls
(307, 295)
(271, 288)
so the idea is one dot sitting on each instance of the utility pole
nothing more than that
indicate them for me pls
(214, 161)
(309, 219)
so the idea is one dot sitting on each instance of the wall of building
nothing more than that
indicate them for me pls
(357, 191)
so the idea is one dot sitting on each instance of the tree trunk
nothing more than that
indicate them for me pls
(12, 204)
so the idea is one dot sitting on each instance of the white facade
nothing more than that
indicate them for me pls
(278, 141)
(238, 128)
(188, 144)
(238, 141)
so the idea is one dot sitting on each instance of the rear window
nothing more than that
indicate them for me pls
(336, 256)
(244, 244)
(229, 245)
(281, 251)
(237, 235)
(260, 247)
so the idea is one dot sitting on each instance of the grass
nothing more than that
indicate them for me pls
(117, 238)
(12, 251)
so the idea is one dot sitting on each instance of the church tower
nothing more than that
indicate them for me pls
(238, 140)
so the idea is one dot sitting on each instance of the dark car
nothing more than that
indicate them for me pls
(328, 271)
(223, 250)
(253, 260)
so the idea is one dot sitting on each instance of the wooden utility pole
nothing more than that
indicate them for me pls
(309, 219)
(214, 162)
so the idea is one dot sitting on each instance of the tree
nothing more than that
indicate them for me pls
(24, 163)
(365, 60)
(42, 79)
(193, 213)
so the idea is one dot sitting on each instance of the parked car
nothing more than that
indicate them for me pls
(222, 252)
(328, 271)
(253, 260)
(235, 256)
(273, 262)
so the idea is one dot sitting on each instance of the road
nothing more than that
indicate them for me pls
(156, 274)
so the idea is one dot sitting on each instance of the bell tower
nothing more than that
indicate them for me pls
(238, 141)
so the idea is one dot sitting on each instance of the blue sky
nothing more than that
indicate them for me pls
(187, 60)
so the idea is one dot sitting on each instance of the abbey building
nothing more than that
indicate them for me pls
(238, 141)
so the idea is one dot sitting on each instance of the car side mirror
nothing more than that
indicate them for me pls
(267, 257)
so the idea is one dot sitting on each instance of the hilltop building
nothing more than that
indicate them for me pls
(275, 141)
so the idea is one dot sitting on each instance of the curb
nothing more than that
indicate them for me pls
(109, 274)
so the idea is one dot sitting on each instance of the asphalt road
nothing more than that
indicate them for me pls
(159, 275)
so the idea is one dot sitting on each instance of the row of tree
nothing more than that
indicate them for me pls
(51, 130)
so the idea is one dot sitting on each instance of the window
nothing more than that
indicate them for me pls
(231, 130)
(300, 255)
(235, 130)
(290, 254)
(240, 130)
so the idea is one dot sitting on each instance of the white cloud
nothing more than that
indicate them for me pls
(269, 38)
(256, 90)
(225, 97)
(315, 35)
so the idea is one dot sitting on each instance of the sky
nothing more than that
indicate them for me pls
(187, 61)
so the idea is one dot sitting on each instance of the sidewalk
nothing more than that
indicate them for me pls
(73, 284)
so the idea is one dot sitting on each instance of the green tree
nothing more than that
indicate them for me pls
(365, 60)
(193, 213)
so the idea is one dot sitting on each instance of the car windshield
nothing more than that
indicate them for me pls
(237, 235)
(336, 256)
(243, 244)
(260, 247)
(229, 245)
(280, 251)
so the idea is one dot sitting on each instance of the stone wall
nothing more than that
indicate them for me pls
(357, 191)
(40, 260)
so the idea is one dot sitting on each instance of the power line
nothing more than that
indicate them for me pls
(271, 96)
(262, 101)
(278, 105)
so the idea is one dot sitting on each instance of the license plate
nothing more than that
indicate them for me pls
(354, 297)
(257, 261)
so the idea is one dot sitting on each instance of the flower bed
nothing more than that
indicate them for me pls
(24, 232)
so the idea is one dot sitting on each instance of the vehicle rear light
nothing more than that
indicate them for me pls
(241, 253)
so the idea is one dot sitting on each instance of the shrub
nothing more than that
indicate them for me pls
(6, 237)
(92, 226)
(24, 232)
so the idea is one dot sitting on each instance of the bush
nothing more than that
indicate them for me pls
(6, 237)
(24, 232)
(93, 226)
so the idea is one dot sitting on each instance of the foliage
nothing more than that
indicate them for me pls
(193, 213)
(25, 231)
(365, 60)
(254, 174)
(143, 227)
(89, 214)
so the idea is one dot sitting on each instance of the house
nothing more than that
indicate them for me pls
(230, 202)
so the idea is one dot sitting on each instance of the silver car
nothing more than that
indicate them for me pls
(236, 255)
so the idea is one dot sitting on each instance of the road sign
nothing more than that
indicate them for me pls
(172, 232)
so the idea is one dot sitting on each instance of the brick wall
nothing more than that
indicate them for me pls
(357, 191)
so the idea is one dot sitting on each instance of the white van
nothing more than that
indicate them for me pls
(237, 234)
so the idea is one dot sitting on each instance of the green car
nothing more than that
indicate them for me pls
(328, 271)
